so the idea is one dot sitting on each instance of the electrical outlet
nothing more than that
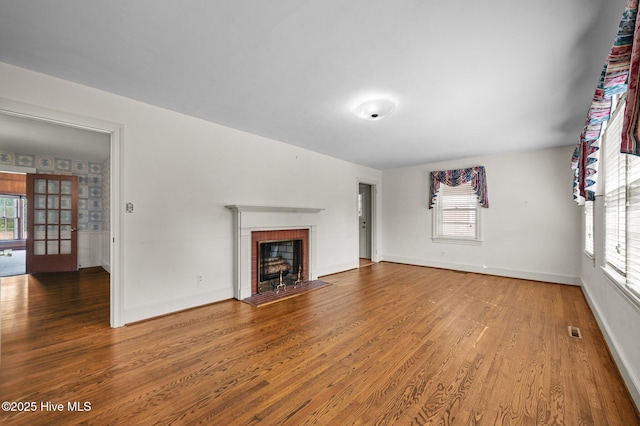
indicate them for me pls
(129, 207)
(199, 279)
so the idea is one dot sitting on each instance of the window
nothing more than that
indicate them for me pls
(457, 213)
(12, 223)
(588, 228)
(633, 224)
(622, 210)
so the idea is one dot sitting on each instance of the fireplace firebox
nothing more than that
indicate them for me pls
(276, 254)
(279, 263)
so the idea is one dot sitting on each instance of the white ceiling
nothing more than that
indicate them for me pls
(29, 136)
(469, 77)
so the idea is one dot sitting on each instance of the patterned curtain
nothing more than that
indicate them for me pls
(630, 132)
(613, 81)
(475, 175)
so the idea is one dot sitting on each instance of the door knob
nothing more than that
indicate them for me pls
(73, 229)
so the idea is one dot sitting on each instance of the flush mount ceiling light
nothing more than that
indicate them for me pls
(374, 109)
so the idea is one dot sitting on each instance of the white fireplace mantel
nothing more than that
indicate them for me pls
(248, 218)
(282, 209)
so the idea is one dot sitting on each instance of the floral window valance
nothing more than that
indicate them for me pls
(475, 175)
(630, 130)
(618, 75)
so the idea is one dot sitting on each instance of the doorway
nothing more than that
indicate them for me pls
(113, 132)
(365, 222)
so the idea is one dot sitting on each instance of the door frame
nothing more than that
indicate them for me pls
(116, 232)
(365, 231)
(374, 201)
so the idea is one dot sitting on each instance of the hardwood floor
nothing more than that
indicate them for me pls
(385, 344)
(364, 262)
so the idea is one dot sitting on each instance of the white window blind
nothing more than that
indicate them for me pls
(588, 228)
(615, 194)
(633, 228)
(457, 213)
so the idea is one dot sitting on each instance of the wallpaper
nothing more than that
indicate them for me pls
(93, 187)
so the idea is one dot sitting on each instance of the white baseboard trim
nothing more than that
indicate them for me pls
(335, 269)
(159, 309)
(480, 269)
(626, 368)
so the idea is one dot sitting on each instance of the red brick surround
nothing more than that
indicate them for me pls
(287, 234)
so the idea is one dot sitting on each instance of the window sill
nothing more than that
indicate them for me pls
(457, 241)
(619, 282)
(591, 257)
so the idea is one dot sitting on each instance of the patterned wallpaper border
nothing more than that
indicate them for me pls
(93, 184)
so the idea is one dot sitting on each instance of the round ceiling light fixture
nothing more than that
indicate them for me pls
(374, 109)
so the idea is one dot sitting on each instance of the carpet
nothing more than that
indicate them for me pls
(269, 297)
(14, 264)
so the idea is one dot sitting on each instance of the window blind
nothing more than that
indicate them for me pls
(633, 228)
(457, 212)
(615, 194)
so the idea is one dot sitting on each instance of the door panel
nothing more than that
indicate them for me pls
(52, 242)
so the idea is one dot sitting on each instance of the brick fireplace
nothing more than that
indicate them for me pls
(254, 223)
(289, 245)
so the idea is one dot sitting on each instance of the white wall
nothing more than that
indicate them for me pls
(530, 230)
(618, 317)
(180, 172)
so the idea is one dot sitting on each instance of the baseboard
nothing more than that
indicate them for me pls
(631, 380)
(480, 269)
(160, 309)
(335, 269)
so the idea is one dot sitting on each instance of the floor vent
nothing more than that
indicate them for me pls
(575, 332)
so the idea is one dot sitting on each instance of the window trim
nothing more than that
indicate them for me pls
(591, 227)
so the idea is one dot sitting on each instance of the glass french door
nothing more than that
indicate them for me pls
(52, 243)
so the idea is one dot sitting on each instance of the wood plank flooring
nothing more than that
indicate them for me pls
(385, 344)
